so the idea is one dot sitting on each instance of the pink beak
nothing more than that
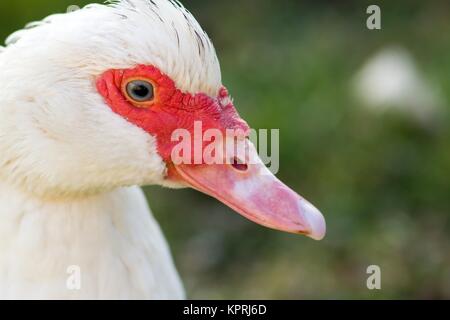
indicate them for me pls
(253, 191)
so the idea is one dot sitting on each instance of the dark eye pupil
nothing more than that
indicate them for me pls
(140, 91)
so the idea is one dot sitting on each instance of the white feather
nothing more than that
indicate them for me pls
(112, 238)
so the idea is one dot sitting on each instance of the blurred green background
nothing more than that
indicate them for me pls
(382, 179)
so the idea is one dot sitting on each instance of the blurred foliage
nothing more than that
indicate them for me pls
(381, 180)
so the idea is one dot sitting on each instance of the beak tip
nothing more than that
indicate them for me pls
(315, 220)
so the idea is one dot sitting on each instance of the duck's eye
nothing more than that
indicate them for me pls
(140, 91)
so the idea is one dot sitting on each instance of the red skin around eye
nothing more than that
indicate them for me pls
(171, 108)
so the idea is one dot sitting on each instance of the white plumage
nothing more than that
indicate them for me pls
(112, 238)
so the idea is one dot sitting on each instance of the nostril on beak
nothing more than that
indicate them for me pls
(239, 165)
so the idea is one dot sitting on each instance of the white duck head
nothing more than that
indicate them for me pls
(90, 99)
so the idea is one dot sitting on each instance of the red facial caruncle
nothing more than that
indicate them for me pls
(149, 99)
(169, 108)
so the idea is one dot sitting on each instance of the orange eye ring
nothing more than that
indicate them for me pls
(139, 91)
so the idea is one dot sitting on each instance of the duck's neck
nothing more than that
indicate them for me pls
(111, 238)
